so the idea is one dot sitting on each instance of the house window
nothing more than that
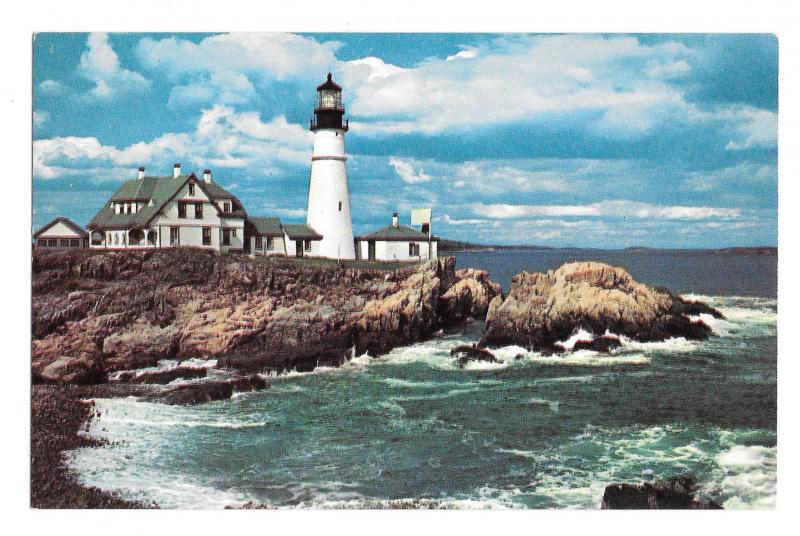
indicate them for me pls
(340, 206)
(308, 245)
(270, 243)
(226, 207)
(198, 211)
(174, 236)
(127, 208)
(226, 237)
(233, 233)
(413, 249)
(116, 239)
(181, 210)
(259, 243)
(191, 188)
(206, 236)
(74, 243)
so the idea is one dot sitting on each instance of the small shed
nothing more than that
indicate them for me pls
(301, 240)
(61, 233)
(266, 236)
(396, 242)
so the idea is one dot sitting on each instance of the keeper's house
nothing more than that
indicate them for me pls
(177, 210)
(397, 242)
(61, 233)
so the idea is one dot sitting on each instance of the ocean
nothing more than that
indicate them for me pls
(412, 429)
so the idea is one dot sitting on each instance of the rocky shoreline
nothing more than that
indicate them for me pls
(100, 319)
(96, 313)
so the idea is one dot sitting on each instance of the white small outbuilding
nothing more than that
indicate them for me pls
(396, 242)
(61, 233)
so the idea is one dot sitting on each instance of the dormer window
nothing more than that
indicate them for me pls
(226, 207)
(191, 188)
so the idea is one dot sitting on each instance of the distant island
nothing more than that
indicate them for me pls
(459, 245)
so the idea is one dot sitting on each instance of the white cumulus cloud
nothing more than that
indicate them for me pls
(407, 172)
(609, 209)
(100, 64)
(222, 138)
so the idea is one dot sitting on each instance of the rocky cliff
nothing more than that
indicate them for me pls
(98, 312)
(543, 308)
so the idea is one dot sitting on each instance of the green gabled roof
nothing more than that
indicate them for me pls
(160, 190)
(401, 232)
(215, 191)
(301, 231)
(266, 226)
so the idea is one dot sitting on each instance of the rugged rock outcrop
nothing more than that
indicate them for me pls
(98, 312)
(543, 308)
(677, 492)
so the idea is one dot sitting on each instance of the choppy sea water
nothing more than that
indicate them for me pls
(411, 428)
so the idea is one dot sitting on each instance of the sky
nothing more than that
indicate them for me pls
(607, 141)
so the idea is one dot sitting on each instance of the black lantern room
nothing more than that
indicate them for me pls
(329, 109)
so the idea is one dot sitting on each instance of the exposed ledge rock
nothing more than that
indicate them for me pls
(676, 493)
(544, 308)
(100, 312)
(199, 393)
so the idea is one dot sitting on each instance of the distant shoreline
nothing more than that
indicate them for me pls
(458, 247)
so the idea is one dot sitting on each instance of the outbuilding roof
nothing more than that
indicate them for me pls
(301, 231)
(66, 221)
(266, 226)
(160, 190)
(398, 233)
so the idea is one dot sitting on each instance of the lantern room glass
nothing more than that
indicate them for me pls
(329, 99)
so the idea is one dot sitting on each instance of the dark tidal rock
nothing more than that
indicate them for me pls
(604, 343)
(675, 493)
(467, 352)
(200, 393)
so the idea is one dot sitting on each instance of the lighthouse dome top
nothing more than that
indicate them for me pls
(329, 84)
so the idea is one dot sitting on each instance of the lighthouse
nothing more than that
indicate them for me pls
(328, 194)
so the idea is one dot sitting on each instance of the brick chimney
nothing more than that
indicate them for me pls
(176, 170)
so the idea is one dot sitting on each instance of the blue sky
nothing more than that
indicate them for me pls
(583, 140)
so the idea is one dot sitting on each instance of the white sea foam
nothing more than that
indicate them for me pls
(749, 476)
(673, 345)
(592, 359)
(552, 404)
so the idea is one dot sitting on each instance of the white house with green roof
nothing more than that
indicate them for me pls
(397, 242)
(170, 211)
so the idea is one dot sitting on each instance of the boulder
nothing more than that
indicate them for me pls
(543, 308)
(469, 352)
(675, 493)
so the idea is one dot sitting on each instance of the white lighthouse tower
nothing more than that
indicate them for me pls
(328, 194)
